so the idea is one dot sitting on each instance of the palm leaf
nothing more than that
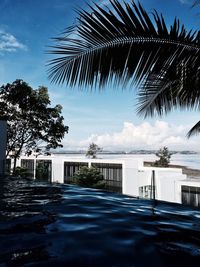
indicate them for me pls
(123, 43)
(195, 130)
(196, 2)
(177, 85)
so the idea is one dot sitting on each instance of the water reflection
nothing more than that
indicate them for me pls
(64, 225)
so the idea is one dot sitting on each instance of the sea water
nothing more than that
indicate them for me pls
(188, 160)
(44, 224)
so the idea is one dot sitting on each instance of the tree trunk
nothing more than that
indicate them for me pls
(14, 166)
(15, 160)
(17, 155)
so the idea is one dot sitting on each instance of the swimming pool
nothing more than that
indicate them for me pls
(64, 225)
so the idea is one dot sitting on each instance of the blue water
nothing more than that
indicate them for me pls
(65, 225)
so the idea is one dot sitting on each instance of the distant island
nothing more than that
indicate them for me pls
(117, 152)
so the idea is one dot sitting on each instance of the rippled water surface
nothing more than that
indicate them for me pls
(64, 225)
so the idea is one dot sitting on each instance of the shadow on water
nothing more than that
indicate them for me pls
(64, 225)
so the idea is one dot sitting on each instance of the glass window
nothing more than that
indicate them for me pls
(146, 191)
(29, 165)
(112, 173)
(70, 168)
(190, 195)
(43, 170)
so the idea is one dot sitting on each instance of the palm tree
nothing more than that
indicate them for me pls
(123, 44)
(196, 2)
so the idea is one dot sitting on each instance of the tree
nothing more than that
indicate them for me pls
(164, 157)
(21, 172)
(89, 177)
(31, 121)
(93, 150)
(123, 43)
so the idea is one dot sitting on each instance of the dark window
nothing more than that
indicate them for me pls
(146, 191)
(190, 195)
(43, 170)
(112, 173)
(70, 168)
(29, 165)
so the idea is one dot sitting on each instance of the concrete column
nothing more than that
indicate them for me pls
(3, 139)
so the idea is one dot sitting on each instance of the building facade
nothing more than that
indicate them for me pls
(126, 176)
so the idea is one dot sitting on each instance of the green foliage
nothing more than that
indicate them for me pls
(93, 150)
(89, 177)
(164, 157)
(21, 172)
(31, 120)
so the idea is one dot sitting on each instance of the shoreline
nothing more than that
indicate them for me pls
(191, 173)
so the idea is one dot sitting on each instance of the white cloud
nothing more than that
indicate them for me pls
(8, 43)
(143, 136)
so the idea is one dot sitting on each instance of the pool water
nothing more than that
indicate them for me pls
(65, 225)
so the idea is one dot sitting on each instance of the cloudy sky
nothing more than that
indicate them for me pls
(107, 118)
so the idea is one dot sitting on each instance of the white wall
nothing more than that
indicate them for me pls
(168, 181)
(188, 182)
(58, 170)
(3, 138)
(165, 181)
(166, 185)
(130, 175)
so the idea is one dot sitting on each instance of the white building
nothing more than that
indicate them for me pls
(3, 138)
(128, 176)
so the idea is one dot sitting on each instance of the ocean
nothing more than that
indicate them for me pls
(188, 160)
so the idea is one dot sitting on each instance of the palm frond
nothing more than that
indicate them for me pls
(196, 3)
(122, 42)
(195, 130)
(176, 85)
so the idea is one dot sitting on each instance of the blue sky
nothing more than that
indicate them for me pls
(108, 117)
